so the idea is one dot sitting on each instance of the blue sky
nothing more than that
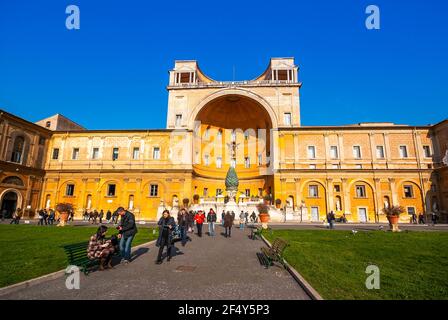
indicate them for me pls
(112, 73)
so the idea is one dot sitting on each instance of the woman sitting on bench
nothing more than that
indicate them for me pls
(100, 248)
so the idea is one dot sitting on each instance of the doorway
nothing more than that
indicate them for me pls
(362, 214)
(9, 204)
(314, 214)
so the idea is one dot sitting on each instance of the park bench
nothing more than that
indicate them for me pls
(77, 256)
(257, 232)
(273, 254)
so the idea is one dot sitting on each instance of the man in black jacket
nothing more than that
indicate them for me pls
(127, 230)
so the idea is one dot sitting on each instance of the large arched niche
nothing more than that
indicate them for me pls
(244, 112)
(238, 96)
(234, 112)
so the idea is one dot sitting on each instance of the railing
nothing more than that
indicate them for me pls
(259, 83)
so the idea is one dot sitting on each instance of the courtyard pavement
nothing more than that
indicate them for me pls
(206, 268)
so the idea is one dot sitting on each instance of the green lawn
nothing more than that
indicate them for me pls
(413, 265)
(31, 251)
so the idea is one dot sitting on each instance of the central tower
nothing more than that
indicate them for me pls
(247, 114)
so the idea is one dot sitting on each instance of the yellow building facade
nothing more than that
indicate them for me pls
(308, 170)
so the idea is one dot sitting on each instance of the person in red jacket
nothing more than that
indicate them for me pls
(199, 218)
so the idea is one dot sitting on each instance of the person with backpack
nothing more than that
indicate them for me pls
(199, 218)
(166, 226)
(211, 219)
(228, 223)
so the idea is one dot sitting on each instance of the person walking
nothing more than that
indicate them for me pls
(45, 216)
(41, 218)
(253, 217)
(191, 221)
(414, 218)
(51, 217)
(223, 214)
(199, 218)
(95, 216)
(108, 216)
(127, 231)
(100, 216)
(434, 218)
(421, 218)
(182, 221)
(228, 223)
(246, 217)
(166, 226)
(211, 219)
(242, 220)
(115, 218)
(330, 219)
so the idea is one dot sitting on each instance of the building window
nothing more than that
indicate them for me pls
(357, 152)
(247, 192)
(95, 153)
(154, 190)
(17, 150)
(411, 210)
(41, 141)
(205, 193)
(114, 154)
(287, 118)
(311, 152)
(427, 151)
(334, 152)
(206, 159)
(337, 188)
(70, 190)
(361, 191)
(111, 190)
(312, 166)
(247, 162)
(75, 154)
(219, 162)
(48, 124)
(136, 153)
(380, 152)
(408, 192)
(178, 120)
(218, 192)
(403, 152)
(55, 155)
(358, 166)
(156, 153)
(313, 191)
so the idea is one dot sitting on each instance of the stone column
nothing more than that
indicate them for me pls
(296, 150)
(346, 192)
(393, 189)
(329, 194)
(377, 194)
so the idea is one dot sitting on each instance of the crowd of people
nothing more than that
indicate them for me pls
(95, 216)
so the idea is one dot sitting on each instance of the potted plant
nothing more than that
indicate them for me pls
(393, 214)
(64, 210)
(263, 214)
(185, 202)
(278, 202)
(196, 199)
